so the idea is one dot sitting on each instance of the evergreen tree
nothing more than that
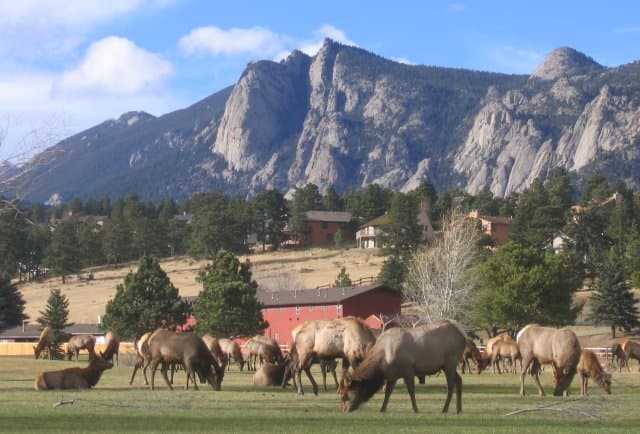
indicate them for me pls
(304, 199)
(11, 304)
(343, 279)
(227, 304)
(403, 233)
(596, 189)
(56, 314)
(392, 273)
(270, 212)
(63, 254)
(613, 303)
(215, 226)
(145, 301)
(520, 285)
(332, 201)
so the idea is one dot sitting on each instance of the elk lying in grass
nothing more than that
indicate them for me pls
(73, 378)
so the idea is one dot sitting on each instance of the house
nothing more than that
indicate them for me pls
(368, 233)
(320, 227)
(19, 341)
(284, 310)
(496, 227)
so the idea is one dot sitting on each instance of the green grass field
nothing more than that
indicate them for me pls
(114, 406)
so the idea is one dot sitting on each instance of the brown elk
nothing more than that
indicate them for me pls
(261, 348)
(214, 347)
(45, 341)
(232, 351)
(111, 347)
(168, 347)
(326, 366)
(589, 366)
(631, 350)
(503, 350)
(471, 352)
(618, 357)
(80, 342)
(560, 347)
(405, 353)
(143, 357)
(270, 374)
(73, 378)
(349, 338)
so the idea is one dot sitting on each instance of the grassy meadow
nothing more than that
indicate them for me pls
(114, 406)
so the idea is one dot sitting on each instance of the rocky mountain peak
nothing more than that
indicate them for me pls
(564, 62)
(133, 117)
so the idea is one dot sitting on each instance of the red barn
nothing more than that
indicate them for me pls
(284, 310)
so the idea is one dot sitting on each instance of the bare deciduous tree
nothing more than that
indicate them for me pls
(435, 282)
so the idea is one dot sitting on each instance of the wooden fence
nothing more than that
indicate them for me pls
(26, 348)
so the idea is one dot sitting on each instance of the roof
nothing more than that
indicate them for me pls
(315, 296)
(32, 331)
(378, 221)
(328, 216)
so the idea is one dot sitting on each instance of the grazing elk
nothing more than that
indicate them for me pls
(262, 349)
(80, 342)
(471, 352)
(168, 347)
(589, 367)
(631, 350)
(405, 353)
(111, 347)
(232, 351)
(45, 341)
(618, 357)
(214, 347)
(349, 338)
(73, 378)
(270, 374)
(560, 347)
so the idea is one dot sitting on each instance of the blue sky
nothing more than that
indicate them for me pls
(66, 65)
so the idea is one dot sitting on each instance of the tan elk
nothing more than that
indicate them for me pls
(73, 378)
(405, 353)
(111, 347)
(590, 367)
(232, 351)
(348, 338)
(80, 342)
(543, 345)
(45, 341)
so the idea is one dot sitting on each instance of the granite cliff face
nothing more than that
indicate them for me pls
(349, 118)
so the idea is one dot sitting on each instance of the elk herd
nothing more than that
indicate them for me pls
(370, 362)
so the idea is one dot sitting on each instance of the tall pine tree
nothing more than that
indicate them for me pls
(56, 314)
(145, 301)
(11, 304)
(227, 304)
(612, 302)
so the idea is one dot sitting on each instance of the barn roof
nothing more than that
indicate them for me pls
(319, 296)
(328, 216)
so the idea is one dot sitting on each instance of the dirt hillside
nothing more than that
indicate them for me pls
(275, 270)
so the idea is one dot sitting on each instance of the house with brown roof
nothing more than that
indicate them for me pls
(320, 227)
(367, 236)
(496, 227)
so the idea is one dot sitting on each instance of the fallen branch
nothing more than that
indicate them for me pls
(559, 410)
(63, 402)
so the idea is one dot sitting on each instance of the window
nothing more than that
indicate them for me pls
(325, 308)
(298, 310)
(325, 225)
(329, 237)
(338, 308)
(310, 308)
(276, 336)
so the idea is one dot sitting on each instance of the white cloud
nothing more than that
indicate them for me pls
(402, 60)
(311, 47)
(115, 65)
(256, 41)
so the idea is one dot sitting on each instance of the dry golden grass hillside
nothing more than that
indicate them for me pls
(276, 270)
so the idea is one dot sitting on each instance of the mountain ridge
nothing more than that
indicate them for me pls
(348, 118)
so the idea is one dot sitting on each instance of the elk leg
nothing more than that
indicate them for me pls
(387, 393)
(458, 380)
(163, 371)
(536, 378)
(154, 366)
(333, 372)
(137, 366)
(526, 364)
(307, 370)
(323, 371)
(451, 384)
(410, 382)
